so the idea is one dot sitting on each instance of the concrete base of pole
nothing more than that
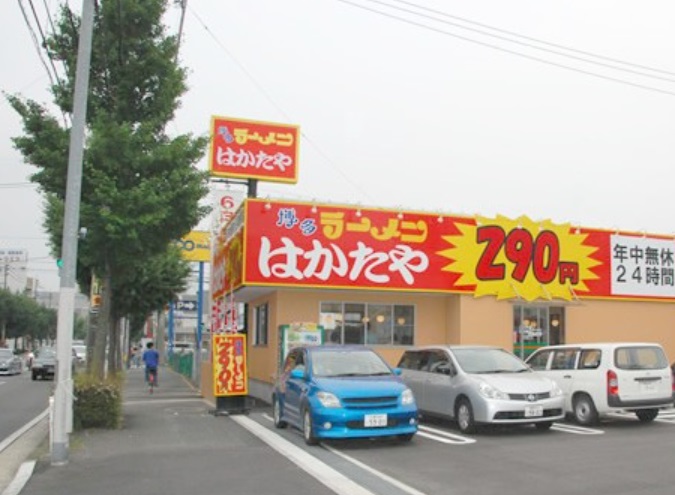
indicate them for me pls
(59, 454)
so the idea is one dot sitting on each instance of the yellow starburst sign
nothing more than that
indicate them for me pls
(520, 258)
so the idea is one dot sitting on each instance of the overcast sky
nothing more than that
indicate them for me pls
(557, 110)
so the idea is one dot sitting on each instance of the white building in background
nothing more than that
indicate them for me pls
(13, 269)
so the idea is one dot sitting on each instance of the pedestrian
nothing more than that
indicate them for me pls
(151, 360)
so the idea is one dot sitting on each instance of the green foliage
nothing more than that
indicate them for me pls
(23, 317)
(98, 403)
(140, 188)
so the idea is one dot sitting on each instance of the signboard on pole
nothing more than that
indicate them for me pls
(249, 149)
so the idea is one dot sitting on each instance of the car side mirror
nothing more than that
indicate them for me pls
(298, 373)
(397, 371)
(445, 369)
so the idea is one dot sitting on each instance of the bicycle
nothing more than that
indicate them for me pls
(152, 379)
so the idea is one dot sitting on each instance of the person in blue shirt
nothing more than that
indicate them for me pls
(151, 360)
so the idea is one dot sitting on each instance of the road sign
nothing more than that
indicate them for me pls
(186, 305)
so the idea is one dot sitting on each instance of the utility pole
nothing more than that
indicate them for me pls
(63, 395)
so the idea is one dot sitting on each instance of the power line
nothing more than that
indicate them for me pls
(262, 90)
(536, 40)
(13, 185)
(522, 43)
(512, 52)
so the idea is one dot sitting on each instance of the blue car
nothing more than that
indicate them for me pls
(342, 392)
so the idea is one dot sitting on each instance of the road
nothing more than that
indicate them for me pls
(21, 400)
(619, 456)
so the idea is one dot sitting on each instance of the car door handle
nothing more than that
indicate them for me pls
(567, 376)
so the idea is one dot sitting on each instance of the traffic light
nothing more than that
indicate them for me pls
(59, 264)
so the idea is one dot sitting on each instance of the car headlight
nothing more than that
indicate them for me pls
(407, 397)
(490, 392)
(556, 391)
(328, 400)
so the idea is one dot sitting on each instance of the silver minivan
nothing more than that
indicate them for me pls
(606, 377)
(479, 384)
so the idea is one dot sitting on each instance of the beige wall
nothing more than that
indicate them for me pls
(451, 319)
(614, 321)
(458, 319)
(485, 321)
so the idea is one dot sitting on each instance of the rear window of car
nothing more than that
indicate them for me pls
(640, 358)
(413, 360)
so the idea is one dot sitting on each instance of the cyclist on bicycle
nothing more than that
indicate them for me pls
(151, 360)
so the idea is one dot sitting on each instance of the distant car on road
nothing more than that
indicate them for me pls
(79, 354)
(10, 363)
(44, 363)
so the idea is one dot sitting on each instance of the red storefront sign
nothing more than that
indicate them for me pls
(254, 150)
(301, 244)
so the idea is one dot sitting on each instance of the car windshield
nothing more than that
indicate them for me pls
(80, 349)
(348, 363)
(6, 353)
(48, 352)
(488, 361)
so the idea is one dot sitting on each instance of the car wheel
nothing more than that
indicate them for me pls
(33, 376)
(647, 415)
(307, 428)
(544, 425)
(584, 410)
(276, 413)
(464, 416)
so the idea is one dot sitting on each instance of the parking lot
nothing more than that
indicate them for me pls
(618, 456)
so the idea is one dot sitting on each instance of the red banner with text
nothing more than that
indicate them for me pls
(321, 245)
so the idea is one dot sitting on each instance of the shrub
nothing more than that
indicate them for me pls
(98, 403)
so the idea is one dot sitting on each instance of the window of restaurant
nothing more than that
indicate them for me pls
(368, 324)
(261, 323)
(536, 326)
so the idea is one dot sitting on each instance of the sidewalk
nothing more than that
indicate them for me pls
(170, 443)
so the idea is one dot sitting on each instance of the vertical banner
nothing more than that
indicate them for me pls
(230, 375)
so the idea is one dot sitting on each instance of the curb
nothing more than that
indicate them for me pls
(22, 476)
(17, 434)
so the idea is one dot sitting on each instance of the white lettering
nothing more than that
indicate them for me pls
(321, 262)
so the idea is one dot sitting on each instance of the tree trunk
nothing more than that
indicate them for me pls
(103, 329)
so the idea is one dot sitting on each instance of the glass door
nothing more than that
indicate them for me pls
(535, 326)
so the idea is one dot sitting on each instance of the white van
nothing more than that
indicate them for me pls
(600, 378)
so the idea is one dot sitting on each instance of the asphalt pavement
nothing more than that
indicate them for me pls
(171, 442)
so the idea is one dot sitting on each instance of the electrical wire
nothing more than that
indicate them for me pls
(536, 40)
(522, 43)
(262, 90)
(512, 52)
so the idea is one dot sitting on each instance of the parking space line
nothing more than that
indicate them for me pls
(393, 481)
(577, 430)
(323, 473)
(444, 436)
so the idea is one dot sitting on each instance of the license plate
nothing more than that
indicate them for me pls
(648, 386)
(534, 411)
(375, 420)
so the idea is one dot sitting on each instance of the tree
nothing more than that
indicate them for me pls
(140, 189)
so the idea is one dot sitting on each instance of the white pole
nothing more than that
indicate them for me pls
(63, 396)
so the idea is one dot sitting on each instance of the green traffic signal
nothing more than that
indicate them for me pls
(59, 263)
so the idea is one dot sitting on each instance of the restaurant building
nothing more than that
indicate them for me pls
(391, 279)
